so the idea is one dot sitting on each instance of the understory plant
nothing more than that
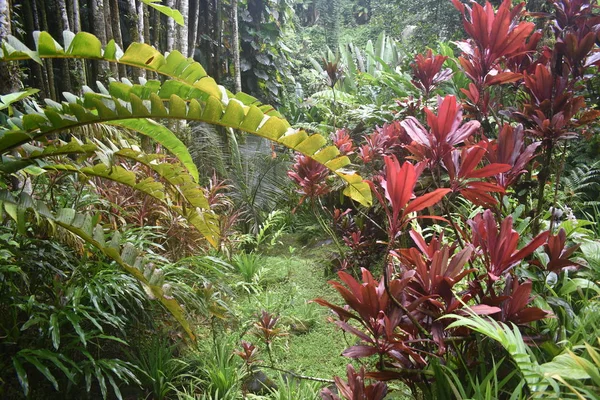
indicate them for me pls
(74, 172)
(463, 201)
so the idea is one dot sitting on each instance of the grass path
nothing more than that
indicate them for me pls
(313, 345)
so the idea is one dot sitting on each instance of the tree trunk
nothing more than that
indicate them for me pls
(135, 34)
(9, 71)
(146, 22)
(204, 47)
(38, 75)
(115, 23)
(171, 34)
(49, 65)
(114, 68)
(156, 32)
(182, 31)
(78, 73)
(193, 27)
(76, 16)
(219, 34)
(235, 44)
(64, 65)
(101, 69)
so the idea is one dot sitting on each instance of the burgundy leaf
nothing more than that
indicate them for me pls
(359, 351)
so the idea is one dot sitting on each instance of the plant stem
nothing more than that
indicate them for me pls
(556, 184)
(386, 283)
(543, 175)
(295, 375)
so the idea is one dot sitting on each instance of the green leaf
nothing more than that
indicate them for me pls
(8, 99)
(21, 375)
(164, 137)
(85, 45)
(101, 381)
(567, 366)
(169, 12)
(189, 84)
(74, 320)
(55, 330)
(66, 219)
(42, 368)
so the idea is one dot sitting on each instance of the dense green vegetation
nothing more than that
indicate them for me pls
(299, 199)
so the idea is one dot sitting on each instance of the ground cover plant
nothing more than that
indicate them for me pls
(435, 255)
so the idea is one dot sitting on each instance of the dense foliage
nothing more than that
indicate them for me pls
(450, 178)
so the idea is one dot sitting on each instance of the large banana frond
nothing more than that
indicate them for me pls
(191, 94)
(127, 256)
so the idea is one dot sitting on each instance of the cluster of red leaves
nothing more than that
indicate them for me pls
(398, 317)
(265, 327)
(510, 149)
(386, 328)
(498, 246)
(385, 140)
(310, 176)
(248, 353)
(355, 388)
(465, 177)
(446, 131)
(427, 71)
(494, 37)
(398, 185)
(342, 140)
(359, 237)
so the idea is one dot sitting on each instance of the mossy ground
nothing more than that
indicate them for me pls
(311, 345)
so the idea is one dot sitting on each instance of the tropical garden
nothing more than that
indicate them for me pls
(299, 199)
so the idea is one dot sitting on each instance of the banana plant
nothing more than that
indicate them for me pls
(185, 93)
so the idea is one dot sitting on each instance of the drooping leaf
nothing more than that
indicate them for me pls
(169, 12)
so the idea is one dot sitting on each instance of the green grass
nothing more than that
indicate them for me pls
(292, 282)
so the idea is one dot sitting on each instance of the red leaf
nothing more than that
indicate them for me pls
(426, 200)
(350, 329)
(488, 170)
(482, 309)
(344, 314)
(359, 351)
(502, 78)
(530, 248)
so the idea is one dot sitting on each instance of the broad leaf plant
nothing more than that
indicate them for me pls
(184, 92)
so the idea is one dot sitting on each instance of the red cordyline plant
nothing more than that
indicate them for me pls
(494, 36)
(355, 388)
(503, 48)
(510, 149)
(311, 176)
(398, 185)
(427, 71)
(341, 139)
(498, 246)
(396, 319)
(464, 175)
(385, 140)
(385, 327)
(248, 353)
(514, 303)
(446, 131)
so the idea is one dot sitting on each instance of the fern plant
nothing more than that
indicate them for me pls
(581, 186)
